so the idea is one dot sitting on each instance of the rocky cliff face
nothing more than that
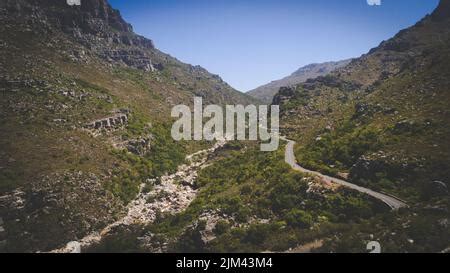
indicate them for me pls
(94, 24)
(93, 16)
(99, 31)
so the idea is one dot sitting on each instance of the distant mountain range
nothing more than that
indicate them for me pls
(266, 92)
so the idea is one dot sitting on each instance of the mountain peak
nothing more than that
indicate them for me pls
(93, 16)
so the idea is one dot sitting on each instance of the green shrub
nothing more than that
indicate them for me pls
(298, 218)
(340, 149)
(222, 227)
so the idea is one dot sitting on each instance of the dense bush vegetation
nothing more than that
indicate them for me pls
(164, 157)
(340, 149)
(265, 206)
(425, 232)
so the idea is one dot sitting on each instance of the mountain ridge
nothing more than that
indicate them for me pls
(267, 92)
(402, 81)
(100, 29)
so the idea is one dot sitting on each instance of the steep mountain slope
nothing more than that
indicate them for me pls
(266, 92)
(382, 122)
(384, 117)
(84, 111)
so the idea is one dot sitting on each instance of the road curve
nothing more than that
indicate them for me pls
(392, 202)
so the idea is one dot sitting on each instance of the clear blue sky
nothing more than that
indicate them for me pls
(252, 42)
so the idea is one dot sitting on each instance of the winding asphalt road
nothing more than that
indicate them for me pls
(392, 202)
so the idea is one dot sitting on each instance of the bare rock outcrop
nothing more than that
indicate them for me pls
(95, 25)
(120, 118)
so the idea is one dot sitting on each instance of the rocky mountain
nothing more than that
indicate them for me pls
(382, 121)
(98, 31)
(266, 92)
(84, 112)
(382, 118)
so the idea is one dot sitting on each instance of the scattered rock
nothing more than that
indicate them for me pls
(13, 201)
(73, 247)
(140, 146)
(444, 223)
(438, 188)
(166, 197)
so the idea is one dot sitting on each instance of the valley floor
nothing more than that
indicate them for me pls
(172, 194)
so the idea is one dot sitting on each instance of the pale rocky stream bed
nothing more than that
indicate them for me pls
(168, 196)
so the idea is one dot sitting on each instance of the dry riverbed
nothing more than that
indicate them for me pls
(172, 195)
